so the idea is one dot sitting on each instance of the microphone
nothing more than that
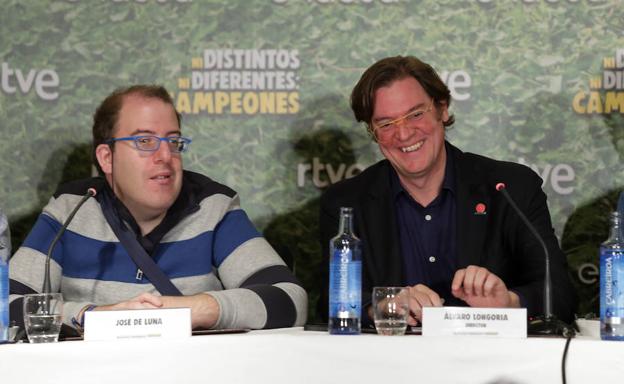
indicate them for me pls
(46, 279)
(548, 324)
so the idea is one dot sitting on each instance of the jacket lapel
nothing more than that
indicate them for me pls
(378, 219)
(473, 205)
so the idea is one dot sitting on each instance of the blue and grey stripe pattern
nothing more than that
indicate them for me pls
(214, 249)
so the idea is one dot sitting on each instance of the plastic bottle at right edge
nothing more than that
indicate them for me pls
(612, 283)
(4, 300)
(5, 250)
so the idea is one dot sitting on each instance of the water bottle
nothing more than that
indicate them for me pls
(612, 283)
(345, 278)
(5, 250)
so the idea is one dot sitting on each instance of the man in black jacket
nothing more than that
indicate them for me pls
(429, 215)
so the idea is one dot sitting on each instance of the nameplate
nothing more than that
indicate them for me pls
(166, 323)
(466, 321)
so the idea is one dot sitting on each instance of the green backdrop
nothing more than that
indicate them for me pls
(263, 86)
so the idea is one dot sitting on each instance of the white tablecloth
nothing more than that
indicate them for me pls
(297, 356)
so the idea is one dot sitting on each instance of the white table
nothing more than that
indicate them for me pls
(297, 356)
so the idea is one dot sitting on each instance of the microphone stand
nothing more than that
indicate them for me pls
(547, 324)
(46, 289)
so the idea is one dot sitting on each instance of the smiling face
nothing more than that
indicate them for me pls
(147, 183)
(415, 148)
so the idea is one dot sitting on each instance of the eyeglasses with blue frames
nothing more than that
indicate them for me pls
(150, 143)
(382, 131)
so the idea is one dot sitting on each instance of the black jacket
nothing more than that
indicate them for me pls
(497, 240)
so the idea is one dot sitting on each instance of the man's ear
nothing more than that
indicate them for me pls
(443, 112)
(104, 156)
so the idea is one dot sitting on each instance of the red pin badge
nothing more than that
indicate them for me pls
(480, 209)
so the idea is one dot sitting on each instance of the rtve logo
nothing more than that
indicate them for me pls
(45, 82)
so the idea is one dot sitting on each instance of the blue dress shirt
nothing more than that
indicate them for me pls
(428, 236)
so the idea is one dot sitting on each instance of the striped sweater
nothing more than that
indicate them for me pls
(207, 244)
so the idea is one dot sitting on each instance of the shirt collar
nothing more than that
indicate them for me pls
(184, 204)
(448, 183)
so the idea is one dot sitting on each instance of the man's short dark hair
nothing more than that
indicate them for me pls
(107, 114)
(386, 71)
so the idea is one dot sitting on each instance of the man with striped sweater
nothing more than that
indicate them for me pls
(192, 227)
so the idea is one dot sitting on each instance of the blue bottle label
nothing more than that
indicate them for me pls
(345, 286)
(611, 283)
(4, 301)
